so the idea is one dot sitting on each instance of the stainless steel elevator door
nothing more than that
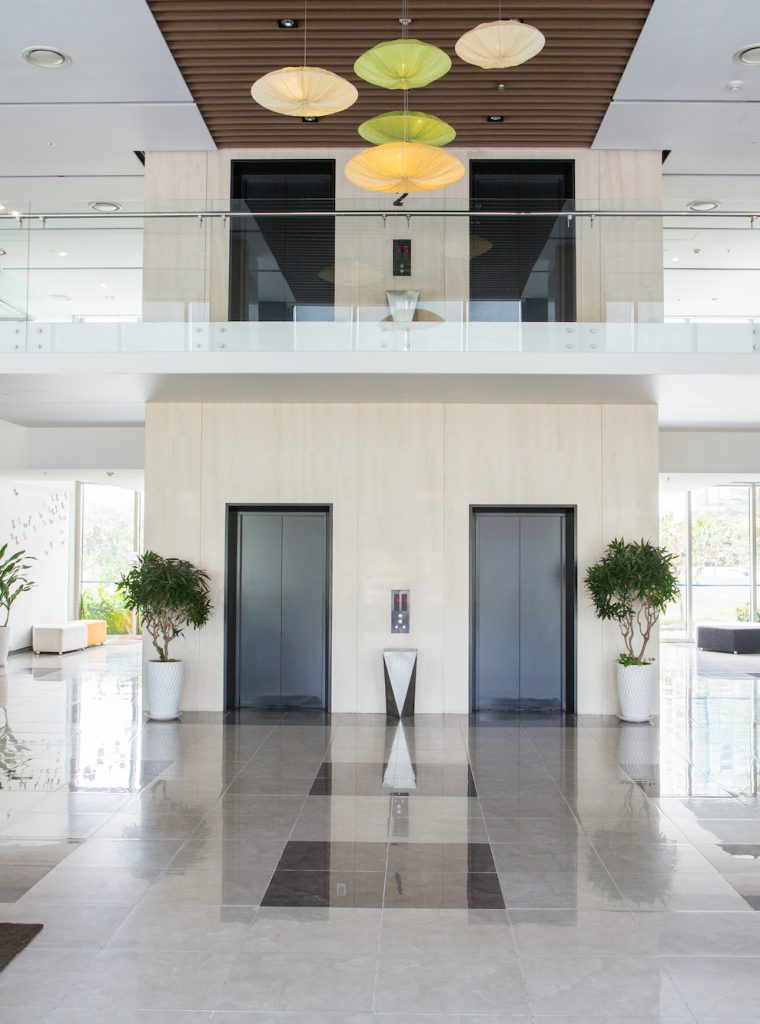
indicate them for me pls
(519, 623)
(282, 595)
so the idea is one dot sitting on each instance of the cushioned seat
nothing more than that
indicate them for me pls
(97, 631)
(59, 637)
(733, 638)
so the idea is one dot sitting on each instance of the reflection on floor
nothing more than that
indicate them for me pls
(268, 867)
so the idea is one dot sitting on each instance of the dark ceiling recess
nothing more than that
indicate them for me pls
(557, 99)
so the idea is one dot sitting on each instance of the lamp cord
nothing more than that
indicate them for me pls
(305, 28)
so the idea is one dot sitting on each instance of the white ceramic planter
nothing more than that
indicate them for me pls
(163, 689)
(636, 685)
(5, 642)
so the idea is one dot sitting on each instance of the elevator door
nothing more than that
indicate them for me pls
(519, 601)
(281, 609)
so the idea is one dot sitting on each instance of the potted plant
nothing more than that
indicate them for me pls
(632, 584)
(13, 583)
(169, 594)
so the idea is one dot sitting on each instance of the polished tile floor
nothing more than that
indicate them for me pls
(271, 867)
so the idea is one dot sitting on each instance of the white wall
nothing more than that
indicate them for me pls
(735, 452)
(51, 448)
(35, 517)
(401, 479)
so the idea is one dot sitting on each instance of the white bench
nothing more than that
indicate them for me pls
(59, 637)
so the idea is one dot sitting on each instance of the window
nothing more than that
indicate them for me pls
(713, 532)
(110, 518)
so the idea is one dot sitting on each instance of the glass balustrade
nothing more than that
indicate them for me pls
(381, 275)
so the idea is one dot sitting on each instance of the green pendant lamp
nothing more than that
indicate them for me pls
(402, 64)
(407, 126)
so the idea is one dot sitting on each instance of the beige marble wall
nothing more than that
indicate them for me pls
(619, 263)
(401, 480)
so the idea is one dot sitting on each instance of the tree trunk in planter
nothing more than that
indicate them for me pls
(163, 689)
(5, 642)
(636, 685)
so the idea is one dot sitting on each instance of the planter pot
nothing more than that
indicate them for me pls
(636, 684)
(5, 641)
(163, 689)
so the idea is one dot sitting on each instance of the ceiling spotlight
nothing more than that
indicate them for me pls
(58, 297)
(501, 87)
(105, 207)
(675, 259)
(310, 119)
(1, 206)
(287, 22)
(46, 57)
(3, 252)
(736, 85)
(63, 254)
(704, 205)
(748, 55)
(495, 118)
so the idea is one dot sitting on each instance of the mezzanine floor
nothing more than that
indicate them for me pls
(273, 867)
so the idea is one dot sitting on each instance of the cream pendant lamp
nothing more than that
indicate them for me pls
(304, 91)
(404, 167)
(500, 44)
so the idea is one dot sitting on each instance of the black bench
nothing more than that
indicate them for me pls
(735, 638)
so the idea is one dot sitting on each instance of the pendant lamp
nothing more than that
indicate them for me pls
(402, 64)
(304, 92)
(407, 126)
(500, 44)
(403, 167)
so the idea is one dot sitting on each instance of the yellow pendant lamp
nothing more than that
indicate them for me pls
(500, 44)
(407, 126)
(402, 64)
(304, 92)
(404, 167)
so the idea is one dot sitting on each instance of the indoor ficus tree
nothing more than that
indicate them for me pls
(14, 580)
(632, 584)
(170, 594)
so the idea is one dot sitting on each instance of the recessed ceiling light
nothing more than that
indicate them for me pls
(109, 296)
(287, 22)
(675, 259)
(748, 54)
(58, 297)
(704, 205)
(63, 254)
(495, 118)
(3, 252)
(310, 120)
(1, 206)
(46, 57)
(105, 207)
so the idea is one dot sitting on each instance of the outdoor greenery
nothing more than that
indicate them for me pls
(170, 594)
(631, 584)
(742, 613)
(14, 580)
(102, 602)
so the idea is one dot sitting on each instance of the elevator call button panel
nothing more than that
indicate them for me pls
(402, 257)
(399, 611)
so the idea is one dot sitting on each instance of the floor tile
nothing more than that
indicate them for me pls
(325, 889)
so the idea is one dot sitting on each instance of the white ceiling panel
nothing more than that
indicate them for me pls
(93, 138)
(117, 53)
(713, 138)
(686, 51)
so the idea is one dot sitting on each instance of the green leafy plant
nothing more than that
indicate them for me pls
(632, 584)
(102, 603)
(14, 580)
(170, 594)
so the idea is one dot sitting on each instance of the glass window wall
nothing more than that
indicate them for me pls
(110, 525)
(713, 532)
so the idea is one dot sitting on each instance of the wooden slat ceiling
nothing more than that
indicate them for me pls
(557, 99)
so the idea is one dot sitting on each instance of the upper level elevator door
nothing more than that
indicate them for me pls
(519, 606)
(281, 600)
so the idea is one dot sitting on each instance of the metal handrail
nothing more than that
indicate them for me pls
(20, 217)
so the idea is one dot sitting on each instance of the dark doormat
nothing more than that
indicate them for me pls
(13, 938)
